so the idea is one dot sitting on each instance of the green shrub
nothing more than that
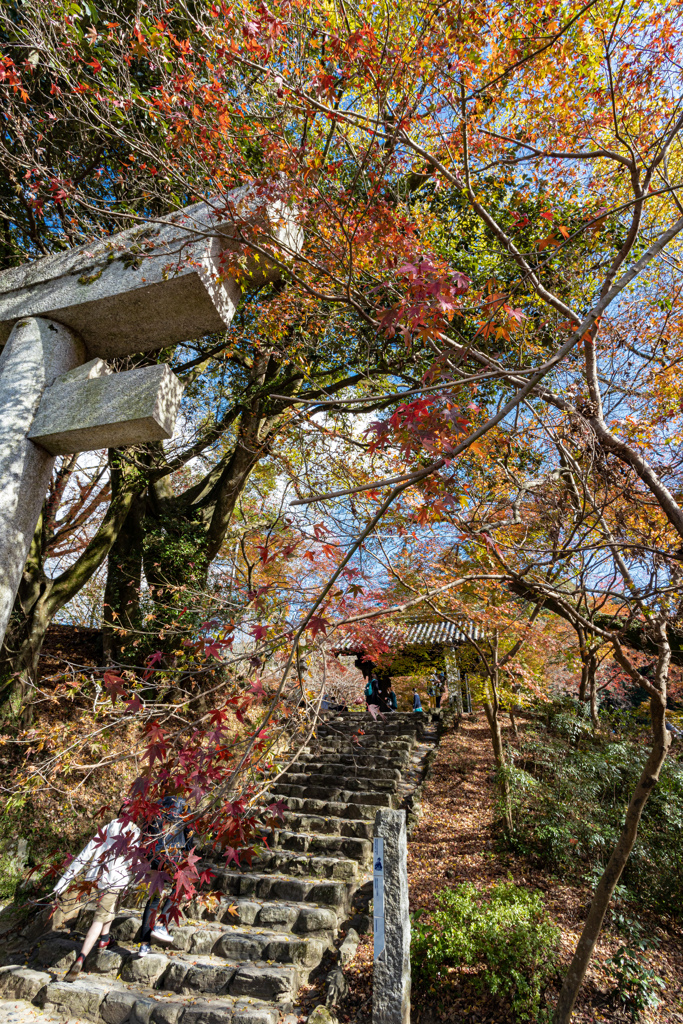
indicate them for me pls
(569, 804)
(503, 936)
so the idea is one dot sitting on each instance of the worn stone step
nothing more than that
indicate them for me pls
(370, 773)
(330, 791)
(358, 828)
(326, 845)
(295, 918)
(115, 1001)
(331, 808)
(273, 887)
(338, 781)
(340, 868)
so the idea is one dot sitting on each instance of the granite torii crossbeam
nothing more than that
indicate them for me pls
(144, 289)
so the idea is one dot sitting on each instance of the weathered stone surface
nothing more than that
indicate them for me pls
(279, 916)
(264, 983)
(348, 948)
(307, 952)
(142, 1010)
(150, 286)
(36, 353)
(315, 919)
(24, 983)
(145, 970)
(241, 947)
(174, 975)
(247, 912)
(254, 1015)
(207, 1013)
(126, 928)
(321, 1015)
(337, 987)
(104, 961)
(76, 999)
(208, 978)
(204, 940)
(58, 953)
(117, 1006)
(391, 980)
(107, 412)
(167, 1013)
(182, 937)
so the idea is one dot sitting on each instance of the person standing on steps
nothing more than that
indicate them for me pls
(391, 699)
(107, 861)
(171, 842)
(371, 691)
(417, 703)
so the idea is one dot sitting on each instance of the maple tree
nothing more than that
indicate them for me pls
(490, 192)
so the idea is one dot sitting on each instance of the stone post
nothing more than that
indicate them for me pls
(37, 351)
(391, 981)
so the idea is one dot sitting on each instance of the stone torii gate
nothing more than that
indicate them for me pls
(63, 316)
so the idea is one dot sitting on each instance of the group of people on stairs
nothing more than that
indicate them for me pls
(110, 860)
(382, 695)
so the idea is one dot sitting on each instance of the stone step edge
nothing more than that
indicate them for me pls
(89, 996)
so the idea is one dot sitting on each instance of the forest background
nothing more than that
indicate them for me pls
(462, 395)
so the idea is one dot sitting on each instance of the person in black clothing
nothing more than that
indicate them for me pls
(171, 843)
(391, 699)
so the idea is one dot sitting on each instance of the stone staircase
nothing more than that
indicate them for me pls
(241, 956)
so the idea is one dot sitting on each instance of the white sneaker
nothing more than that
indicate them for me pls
(144, 949)
(161, 934)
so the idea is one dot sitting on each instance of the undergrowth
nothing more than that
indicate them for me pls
(570, 789)
(500, 941)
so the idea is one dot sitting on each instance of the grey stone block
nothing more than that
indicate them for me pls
(104, 961)
(264, 983)
(125, 928)
(203, 940)
(37, 352)
(241, 947)
(167, 1013)
(182, 937)
(279, 916)
(247, 912)
(254, 1015)
(315, 919)
(117, 1006)
(153, 285)
(76, 999)
(23, 983)
(306, 952)
(348, 948)
(391, 979)
(59, 954)
(207, 1013)
(145, 970)
(208, 978)
(337, 987)
(142, 1011)
(108, 412)
(174, 976)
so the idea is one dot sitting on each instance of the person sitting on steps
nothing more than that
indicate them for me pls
(107, 861)
(417, 703)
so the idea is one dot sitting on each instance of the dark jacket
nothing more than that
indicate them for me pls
(168, 830)
(417, 703)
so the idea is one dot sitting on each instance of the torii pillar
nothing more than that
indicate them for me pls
(62, 316)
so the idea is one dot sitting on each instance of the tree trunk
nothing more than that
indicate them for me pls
(592, 668)
(617, 862)
(491, 710)
(513, 723)
(40, 598)
(124, 579)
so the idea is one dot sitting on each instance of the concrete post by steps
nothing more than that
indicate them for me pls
(391, 979)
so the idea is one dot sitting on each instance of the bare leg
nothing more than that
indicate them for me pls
(92, 935)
